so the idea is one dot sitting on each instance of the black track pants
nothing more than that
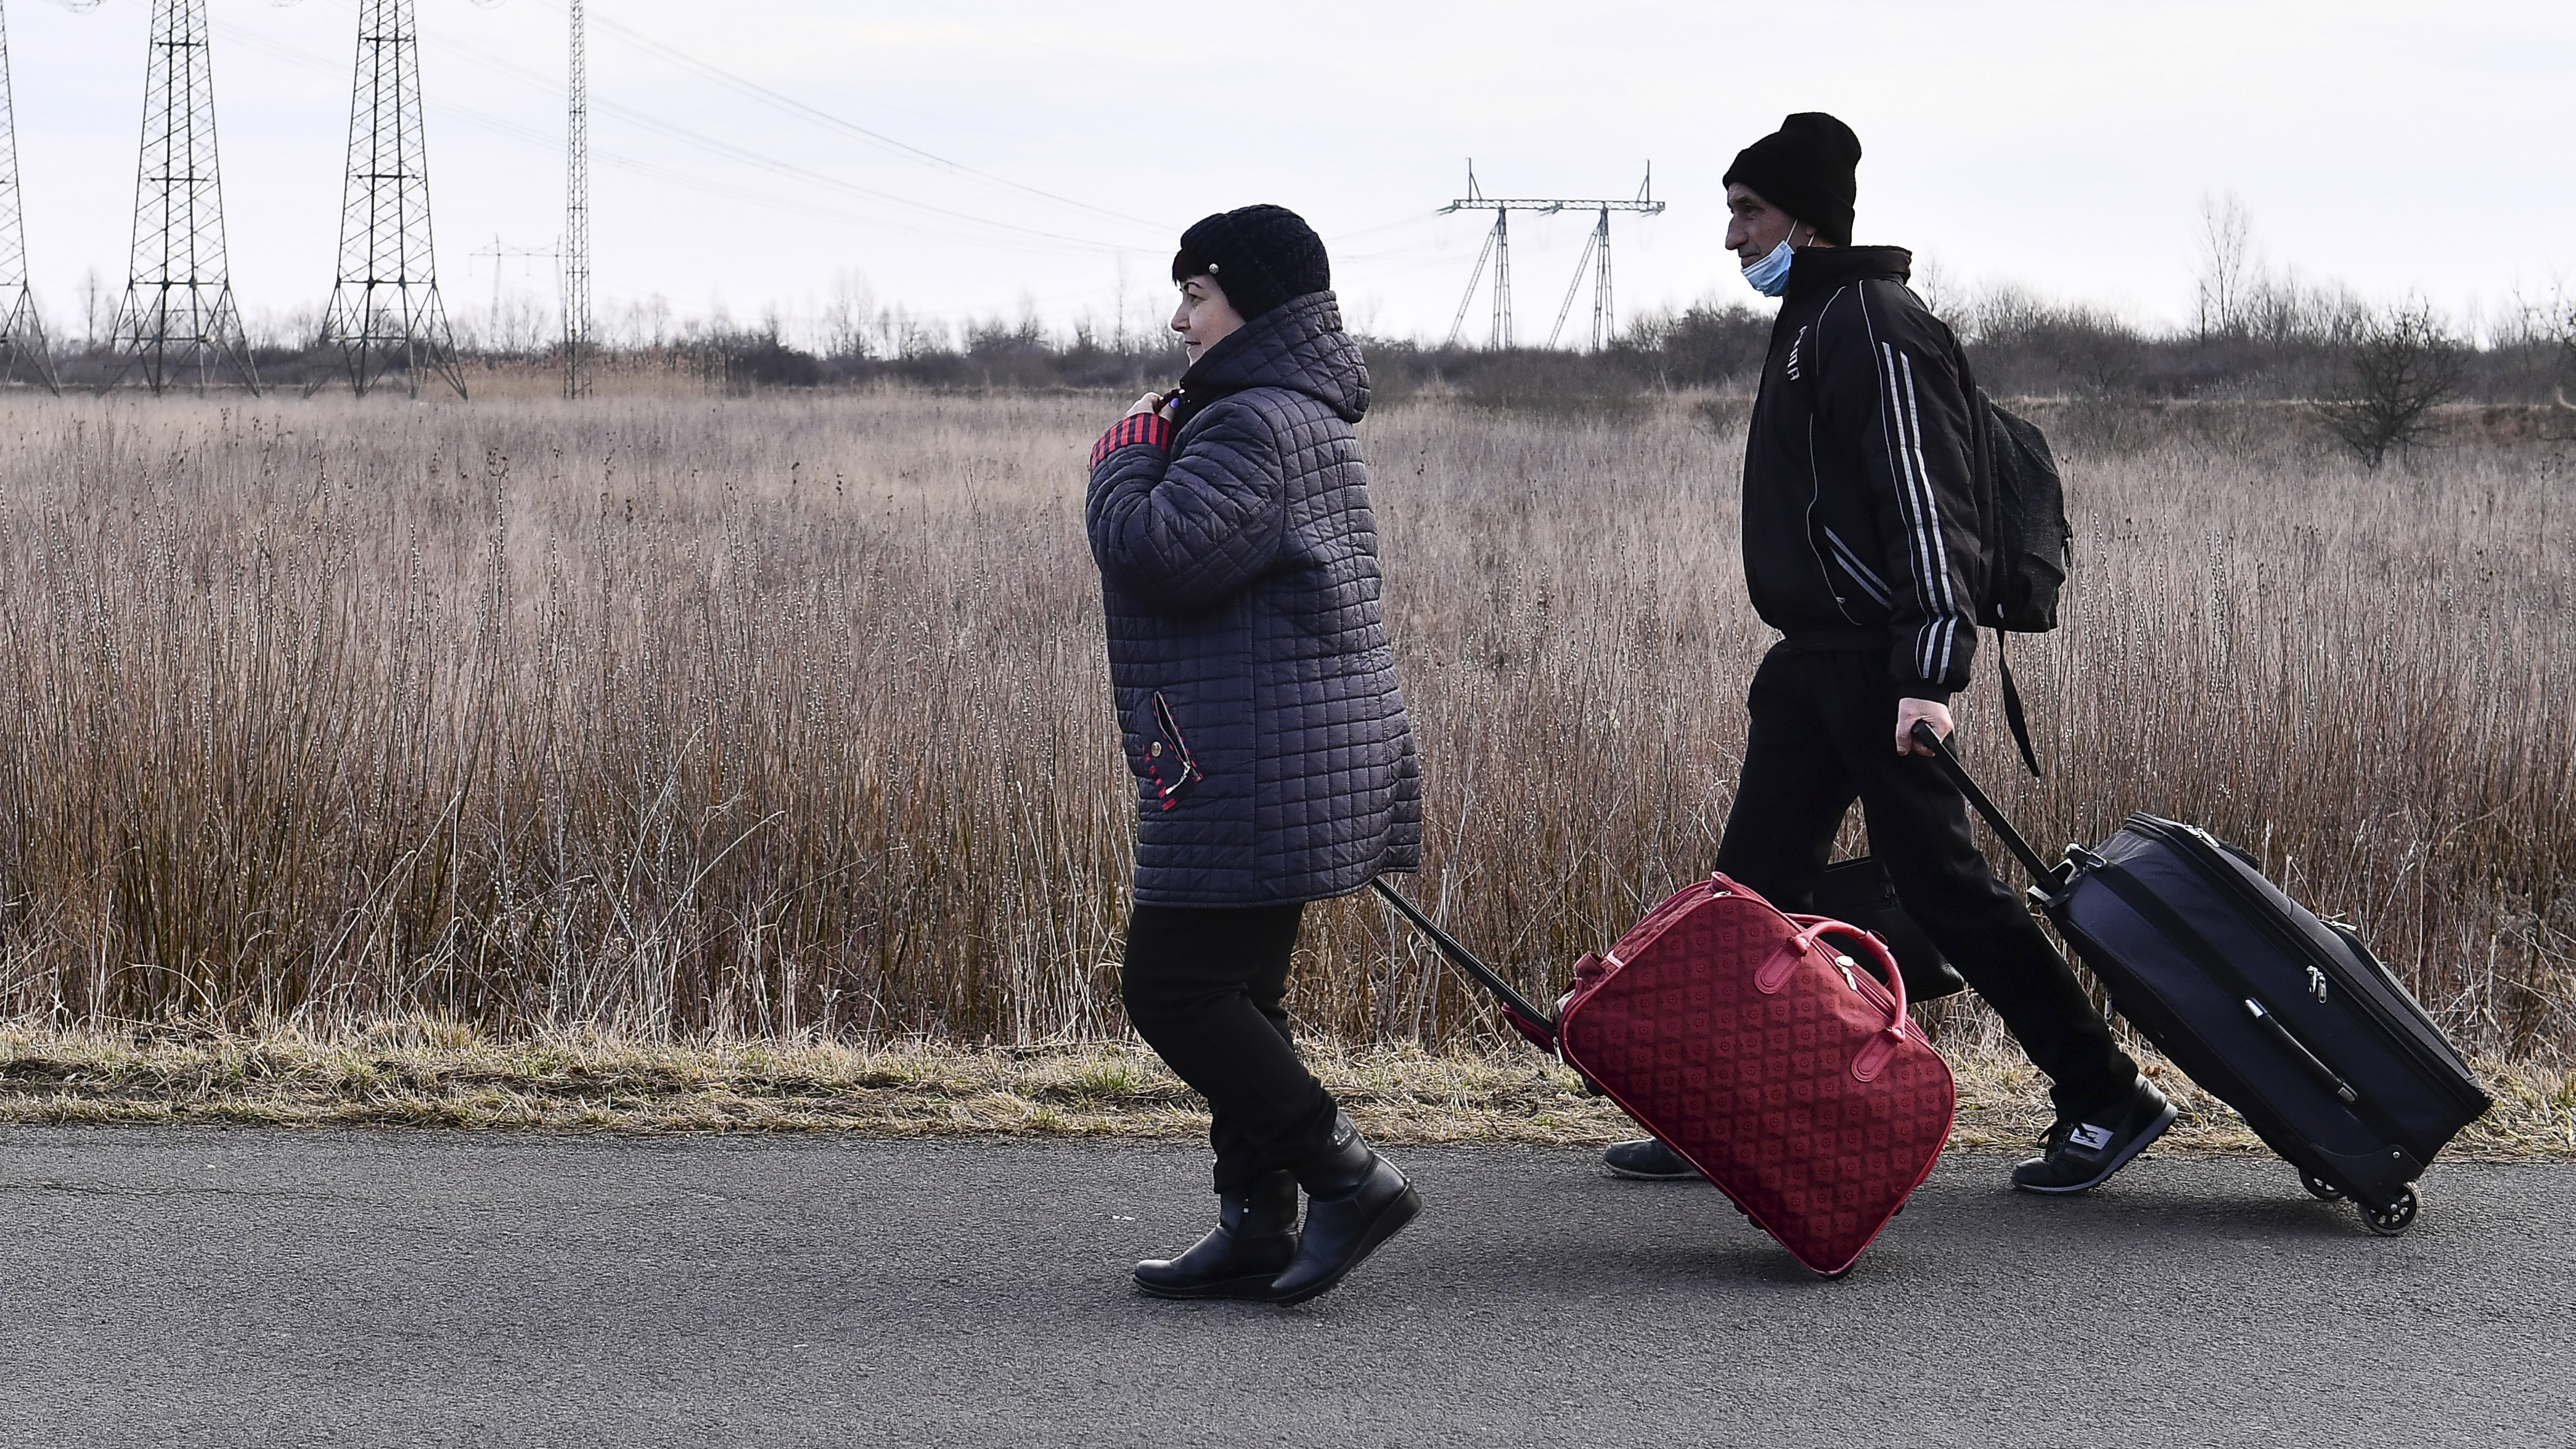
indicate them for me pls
(1203, 988)
(1823, 735)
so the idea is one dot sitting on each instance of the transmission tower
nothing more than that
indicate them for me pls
(502, 253)
(385, 307)
(1498, 250)
(576, 242)
(178, 310)
(22, 332)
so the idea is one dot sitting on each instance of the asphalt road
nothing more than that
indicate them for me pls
(211, 1287)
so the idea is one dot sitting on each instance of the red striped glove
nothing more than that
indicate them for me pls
(1147, 428)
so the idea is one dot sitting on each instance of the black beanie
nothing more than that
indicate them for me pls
(1260, 256)
(1805, 169)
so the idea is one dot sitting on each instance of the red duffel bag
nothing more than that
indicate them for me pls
(1757, 1047)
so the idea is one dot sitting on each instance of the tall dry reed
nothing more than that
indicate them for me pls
(789, 715)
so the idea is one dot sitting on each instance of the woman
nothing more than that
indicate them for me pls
(1257, 697)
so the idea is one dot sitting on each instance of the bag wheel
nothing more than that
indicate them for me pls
(2394, 1220)
(2319, 1188)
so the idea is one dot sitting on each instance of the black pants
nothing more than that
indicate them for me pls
(1203, 988)
(1824, 734)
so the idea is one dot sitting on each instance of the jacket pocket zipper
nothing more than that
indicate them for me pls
(1185, 770)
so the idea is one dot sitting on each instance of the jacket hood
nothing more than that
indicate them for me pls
(1821, 269)
(1298, 345)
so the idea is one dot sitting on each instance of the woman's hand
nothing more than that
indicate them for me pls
(1151, 402)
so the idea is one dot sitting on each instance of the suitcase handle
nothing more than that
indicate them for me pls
(1815, 928)
(1948, 759)
(1526, 1017)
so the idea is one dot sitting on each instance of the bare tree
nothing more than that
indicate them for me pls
(1932, 283)
(98, 311)
(2226, 263)
(845, 316)
(2404, 363)
(2562, 325)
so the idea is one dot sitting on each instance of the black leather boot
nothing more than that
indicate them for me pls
(1255, 1237)
(1355, 1200)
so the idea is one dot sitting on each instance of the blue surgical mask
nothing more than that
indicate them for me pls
(1770, 276)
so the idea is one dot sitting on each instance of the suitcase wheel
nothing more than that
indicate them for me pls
(2319, 1188)
(2396, 1218)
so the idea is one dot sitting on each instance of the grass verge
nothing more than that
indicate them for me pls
(420, 1074)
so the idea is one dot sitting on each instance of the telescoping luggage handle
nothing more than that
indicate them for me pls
(1540, 1026)
(2156, 912)
(1948, 759)
(1529, 1019)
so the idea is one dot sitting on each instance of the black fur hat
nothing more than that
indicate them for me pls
(1261, 256)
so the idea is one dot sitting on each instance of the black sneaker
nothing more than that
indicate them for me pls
(2083, 1155)
(1647, 1160)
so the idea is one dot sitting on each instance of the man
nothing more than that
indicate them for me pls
(1861, 546)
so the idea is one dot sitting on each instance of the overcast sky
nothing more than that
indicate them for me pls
(2064, 146)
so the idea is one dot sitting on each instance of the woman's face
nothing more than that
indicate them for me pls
(1204, 317)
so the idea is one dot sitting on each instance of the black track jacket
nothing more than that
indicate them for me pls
(1860, 512)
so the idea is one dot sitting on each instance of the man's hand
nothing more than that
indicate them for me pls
(1910, 710)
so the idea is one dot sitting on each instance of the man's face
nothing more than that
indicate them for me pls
(1755, 226)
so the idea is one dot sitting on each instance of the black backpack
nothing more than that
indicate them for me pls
(2021, 503)
(2022, 500)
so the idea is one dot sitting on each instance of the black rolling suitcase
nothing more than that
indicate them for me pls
(2286, 1018)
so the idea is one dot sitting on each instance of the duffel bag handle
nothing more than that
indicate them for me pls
(1812, 929)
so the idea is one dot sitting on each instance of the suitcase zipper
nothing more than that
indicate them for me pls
(2204, 858)
(1642, 935)
(2299, 1049)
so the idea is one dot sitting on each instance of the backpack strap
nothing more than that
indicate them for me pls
(1981, 463)
(2013, 714)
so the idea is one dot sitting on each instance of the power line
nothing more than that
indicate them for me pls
(791, 169)
(729, 150)
(746, 86)
(551, 141)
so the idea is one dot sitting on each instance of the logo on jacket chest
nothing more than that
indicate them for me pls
(1796, 344)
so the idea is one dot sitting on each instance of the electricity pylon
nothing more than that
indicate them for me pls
(1498, 250)
(178, 310)
(501, 252)
(22, 333)
(576, 242)
(385, 306)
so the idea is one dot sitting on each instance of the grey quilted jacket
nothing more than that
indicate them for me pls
(1255, 688)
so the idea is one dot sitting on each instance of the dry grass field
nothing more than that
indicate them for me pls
(420, 1073)
(785, 718)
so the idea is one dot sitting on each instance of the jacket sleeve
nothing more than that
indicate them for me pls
(1186, 528)
(1889, 389)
